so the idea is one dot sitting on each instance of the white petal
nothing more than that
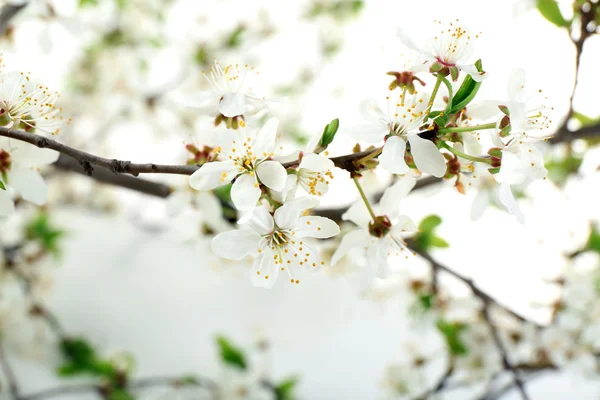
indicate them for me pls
(377, 254)
(371, 112)
(484, 109)
(472, 145)
(30, 184)
(389, 204)
(404, 225)
(358, 213)
(7, 206)
(355, 238)
(203, 99)
(30, 156)
(406, 40)
(245, 192)
(516, 83)
(259, 219)
(287, 215)
(233, 104)
(427, 156)
(480, 203)
(316, 163)
(177, 202)
(392, 156)
(518, 116)
(508, 200)
(266, 138)
(316, 227)
(372, 133)
(272, 174)
(210, 175)
(511, 170)
(235, 244)
(264, 271)
(212, 210)
(472, 70)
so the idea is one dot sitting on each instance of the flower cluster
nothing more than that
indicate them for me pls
(418, 133)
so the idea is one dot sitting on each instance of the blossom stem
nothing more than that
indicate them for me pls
(491, 125)
(465, 156)
(364, 197)
(374, 154)
(438, 82)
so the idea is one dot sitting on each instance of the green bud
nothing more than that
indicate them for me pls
(436, 67)
(328, 134)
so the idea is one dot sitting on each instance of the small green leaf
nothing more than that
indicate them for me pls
(466, 92)
(85, 3)
(559, 170)
(284, 390)
(234, 40)
(42, 230)
(438, 242)
(2, 186)
(550, 10)
(593, 242)
(328, 134)
(201, 56)
(584, 120)
(230, 354)
(451, 332)
(440, 117)
(429, 223)
(120, 394)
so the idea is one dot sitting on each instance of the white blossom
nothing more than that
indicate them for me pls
(378, 249)
(19, 163)
(404, 117)
(246, 158)
(279, 241)
(452, 47)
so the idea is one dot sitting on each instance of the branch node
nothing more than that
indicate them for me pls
(87, 167)
(118, 166)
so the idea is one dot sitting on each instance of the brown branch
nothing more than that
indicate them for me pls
(7, 13)
(8, 374)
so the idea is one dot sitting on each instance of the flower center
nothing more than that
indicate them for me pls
(380, 226)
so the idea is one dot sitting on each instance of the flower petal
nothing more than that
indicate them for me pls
(480, 203)
(389, 204)
(406, 40)
(213, 174)
(371, 112)
(233, 104)
(351, 240)
(472, 70)
(516, 84)
(177, 202)
(7, 206)
(427, 156)
(259, 219)
(392, 156)
(264, 271)
(316, 163)
(203, 99)
(30, 184)
(405, 224)
(511, 170)
(235, 244)
(508, 200)
(358, 213)
(287, 215)
(266, 139)
(245, 192)
(377, 254)
(316, 227)
(30, 156)
(372, 133)
(272, 174)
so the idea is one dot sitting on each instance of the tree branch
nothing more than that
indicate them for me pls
(7, 13)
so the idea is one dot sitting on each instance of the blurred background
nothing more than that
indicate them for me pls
(142, 287)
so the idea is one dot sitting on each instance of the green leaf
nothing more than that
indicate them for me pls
(451, 332)
(2, 186)
(440, 117)
(584, 120)
(234, 40)
(201, 56)
(230, 354)
(85, 3)
(593, 242)
(120, 394)
(429, 223)
(560, 170)
(550, 10)
(466, 92)
(438, 242)
(328, 134)
(42, 230)
(284, 390)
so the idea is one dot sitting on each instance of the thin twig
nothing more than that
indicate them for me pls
(9, 375)
(7, 13)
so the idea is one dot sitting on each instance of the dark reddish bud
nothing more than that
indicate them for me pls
(380, 226)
